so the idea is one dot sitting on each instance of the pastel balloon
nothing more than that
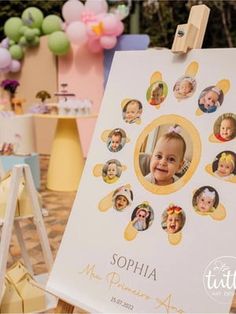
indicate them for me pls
(58, 43)
(108, 42)
(119, 28)
(72, 10)
(63, 26)
(94, 45)
(51, 23)
(23, 29)
(16, 52)
(5, 58)
(22, 41)
(5, 70)
(77, 33)
(110, 23)
(29, 34)
(34, 42)
(32, 17)
(37, 31)
(15, 66)
(5, 43)
(122, 11)
(98, 6)
(11, 42)
(12, 28)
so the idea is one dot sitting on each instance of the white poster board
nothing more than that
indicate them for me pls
(167, 246)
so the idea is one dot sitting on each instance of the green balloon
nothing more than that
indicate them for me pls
(51, 23)
(23, 29)
(11, 42)
(32, 17)
(29, 34)
(58, 43)
(16, 52)
(37, 31)
(22, 41)
(12, 28)
(34, 42)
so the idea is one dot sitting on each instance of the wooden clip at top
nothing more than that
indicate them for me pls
(190, 35)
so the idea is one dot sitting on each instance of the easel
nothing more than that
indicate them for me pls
(18, 172)
(187, 36)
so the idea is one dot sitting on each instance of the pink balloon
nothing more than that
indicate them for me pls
(5, 58)
(72, 10)
(96, 6)
(15, 66)
(63, 26)
(110, 24)
(77, 33)
(94, 46)
(119, 28)
(108, 42)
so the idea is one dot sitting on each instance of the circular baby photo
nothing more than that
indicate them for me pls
(132, 110)
(111, 171)
(157, 93)
(116, 140)
(223, 167)
(225, 127)
(142, 217)
(184, 87)
(210, 99)
(165, 157)
(173, 219)
(122, 198)
(205, 200)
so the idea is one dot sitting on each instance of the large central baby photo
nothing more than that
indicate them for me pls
(166, 155)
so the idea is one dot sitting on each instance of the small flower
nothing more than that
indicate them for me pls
(10, 85)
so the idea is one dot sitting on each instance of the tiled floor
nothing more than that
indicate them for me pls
(58, 205)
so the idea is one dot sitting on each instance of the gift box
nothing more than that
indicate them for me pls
(24, 205)
(21, 295)
(32, 296)
(11, 301)
(4, 194)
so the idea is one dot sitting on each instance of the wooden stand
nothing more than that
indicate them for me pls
(191, 35)
(187, 36)
(18, 172)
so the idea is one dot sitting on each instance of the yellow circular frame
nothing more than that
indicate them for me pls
(192, 131)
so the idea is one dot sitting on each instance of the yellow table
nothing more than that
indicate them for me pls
(66, 160)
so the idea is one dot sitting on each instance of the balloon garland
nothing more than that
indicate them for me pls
(84, 24)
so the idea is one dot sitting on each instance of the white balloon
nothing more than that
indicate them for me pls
(72, 10)
(77, 33)
(97, 7)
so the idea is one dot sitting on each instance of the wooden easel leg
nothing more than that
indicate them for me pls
(38, 220)
(63, 307)
(8, 224)
(23, 247)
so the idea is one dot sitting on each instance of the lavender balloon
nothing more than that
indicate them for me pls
(5, 43)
